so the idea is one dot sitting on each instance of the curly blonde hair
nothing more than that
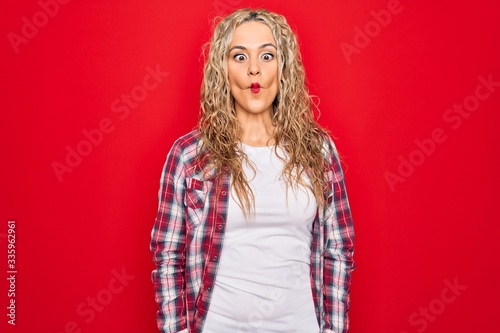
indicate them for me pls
(293, 110)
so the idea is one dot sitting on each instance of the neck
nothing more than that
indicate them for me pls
(257, 130)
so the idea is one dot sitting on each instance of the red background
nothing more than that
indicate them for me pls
(438, 226)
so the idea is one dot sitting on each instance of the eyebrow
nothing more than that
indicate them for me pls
(239, 47)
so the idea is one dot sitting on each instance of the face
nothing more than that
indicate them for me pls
(253, 69)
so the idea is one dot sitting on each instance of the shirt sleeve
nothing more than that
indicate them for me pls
(168, 245)
(339, 250)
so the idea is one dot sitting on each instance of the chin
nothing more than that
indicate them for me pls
(258, 107)
(255, 110)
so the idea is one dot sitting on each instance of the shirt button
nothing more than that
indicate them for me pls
(223, 192)
(219, 227)
(214, 258)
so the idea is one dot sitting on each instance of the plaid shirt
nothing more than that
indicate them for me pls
(188, 233)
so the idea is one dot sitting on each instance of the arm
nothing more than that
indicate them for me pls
(339, 250)
(168, 245)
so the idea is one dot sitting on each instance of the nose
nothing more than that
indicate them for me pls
(253, 68)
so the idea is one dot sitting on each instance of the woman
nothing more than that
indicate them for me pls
(254, 231)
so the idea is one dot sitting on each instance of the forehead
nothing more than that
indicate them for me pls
(251, 34)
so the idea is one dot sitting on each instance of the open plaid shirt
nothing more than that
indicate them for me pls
(188, 233)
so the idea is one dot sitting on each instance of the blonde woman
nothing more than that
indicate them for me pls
(254, 231)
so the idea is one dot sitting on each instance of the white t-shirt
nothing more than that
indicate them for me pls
(263, 279)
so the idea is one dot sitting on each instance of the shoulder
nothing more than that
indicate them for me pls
(188, 140)
(187, 153)
(185, 149)
(187, 144)
(329, 150)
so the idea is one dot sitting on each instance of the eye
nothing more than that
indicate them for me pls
(268, 56)
(239, 57)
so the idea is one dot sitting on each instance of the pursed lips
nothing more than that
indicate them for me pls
(255, 87)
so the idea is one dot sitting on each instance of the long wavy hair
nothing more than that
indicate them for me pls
(296, 129)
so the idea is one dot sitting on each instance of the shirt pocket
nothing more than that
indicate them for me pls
(195, 198)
